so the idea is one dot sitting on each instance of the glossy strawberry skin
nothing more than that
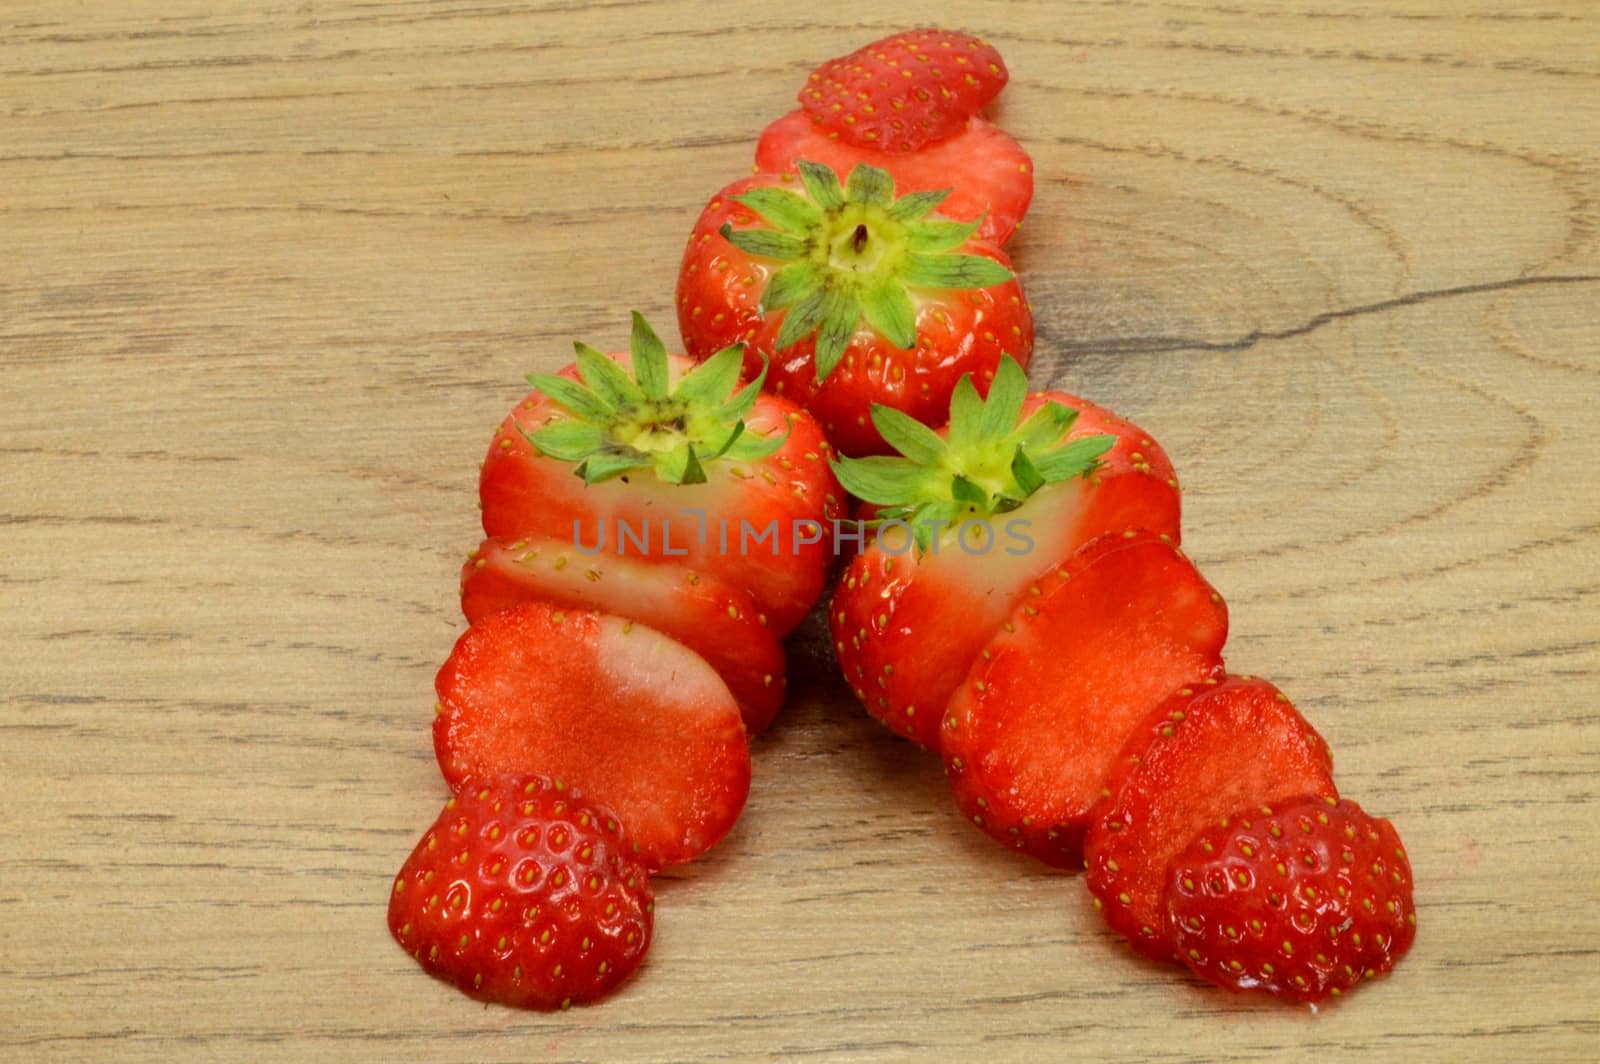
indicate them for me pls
(699, 526)
(1304, 900)
(524, 893)
(989, 174)
(904, 91)
(613, 707)
(907, 627)
(718, 622)
(1207, 751)
(1038, 722)
(719, 303)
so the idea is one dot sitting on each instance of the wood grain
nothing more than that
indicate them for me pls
(270, 273)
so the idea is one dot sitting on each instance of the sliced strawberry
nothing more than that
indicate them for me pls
(905, 91)
(613, 707)
(1036, 727)
(718, 622)
(1303, 899)
(989, 174)
(908, 623)
(524, 893)
(650, 456)
(1208, 751)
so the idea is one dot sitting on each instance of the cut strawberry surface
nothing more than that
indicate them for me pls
(908, 620)
(524, 893)
(1032, 733)
(1207, 752)
(904, 91)
(650, 456)
(989, 175)
(1304, 899)
(720, 623)
(613, 707)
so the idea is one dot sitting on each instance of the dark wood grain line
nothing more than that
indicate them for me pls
(1159, 344)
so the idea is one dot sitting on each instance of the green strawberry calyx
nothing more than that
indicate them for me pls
(616, 421)
(855, 253)
(990, 461)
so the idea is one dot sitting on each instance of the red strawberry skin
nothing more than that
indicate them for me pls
(720, 623)
(526, 494)
(1304, 900)
(904, 91)
(989, 173)
(613, 707)
(719, 303)
(907, 627)
(1031, 734)
(526, 894)
(1208, 751)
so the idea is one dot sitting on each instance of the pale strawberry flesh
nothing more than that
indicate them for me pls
(720, 623)
(613, 707)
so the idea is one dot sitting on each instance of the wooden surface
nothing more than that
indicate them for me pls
(271, 272)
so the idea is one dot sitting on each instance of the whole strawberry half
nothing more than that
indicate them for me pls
(989, 175)
(613, 707)
(1209, 750)
(524, 893)
(714, 620)
(856, 296)
(652, 457)
(1303, 899)
(905, 91)
(1033, 477)
(1092, 647)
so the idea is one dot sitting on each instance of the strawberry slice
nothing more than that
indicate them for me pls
(718, 622)
(989, 174)
(1303, 900)
(1208, 751)
(613, 707)
(1099, 641)
(905, 91)
(890, 613)
(524, 893)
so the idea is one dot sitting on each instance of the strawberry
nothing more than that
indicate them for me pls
(653, 457)
(855, 296)
(1303, 899)
(1043, 473)
(1095, 644)
(905, 91)
(989, 175)
(714, 620)
(613, 707)
(526, 894)
(1209, 750)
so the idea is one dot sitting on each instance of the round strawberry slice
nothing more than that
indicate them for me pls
(720, 623)
(1095, 644)
(1205, 753)
(989, 175)
(616, 709)
(524, 893)
(905, 91)
(1303, 899)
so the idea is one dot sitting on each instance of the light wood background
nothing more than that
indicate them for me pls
(270, 272)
